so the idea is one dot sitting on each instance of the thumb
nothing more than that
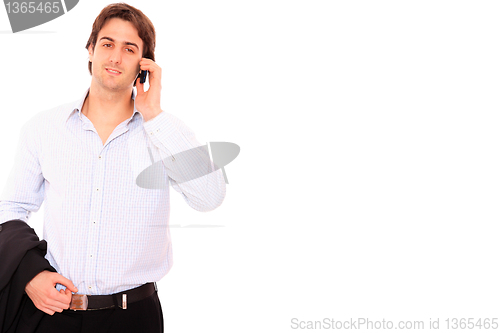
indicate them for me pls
(140, 86)
(58, 278)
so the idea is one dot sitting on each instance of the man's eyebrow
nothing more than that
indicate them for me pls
(126, 43)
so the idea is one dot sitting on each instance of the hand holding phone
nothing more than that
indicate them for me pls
(148, 102)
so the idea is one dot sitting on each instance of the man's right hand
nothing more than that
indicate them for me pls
(45, 297)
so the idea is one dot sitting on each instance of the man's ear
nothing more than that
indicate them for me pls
(91, 53)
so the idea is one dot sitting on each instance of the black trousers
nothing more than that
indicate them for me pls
(142, 316)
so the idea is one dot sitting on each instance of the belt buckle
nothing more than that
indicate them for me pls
(79, 302)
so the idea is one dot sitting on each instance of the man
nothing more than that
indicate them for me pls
(107, 238)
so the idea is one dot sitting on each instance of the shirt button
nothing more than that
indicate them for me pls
(99, 156)
(97, 189)
(90, 287)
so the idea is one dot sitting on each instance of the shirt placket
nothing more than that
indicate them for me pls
(96, 204)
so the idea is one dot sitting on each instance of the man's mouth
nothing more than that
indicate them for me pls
(113, 71)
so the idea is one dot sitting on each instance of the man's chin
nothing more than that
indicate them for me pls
(114, 86)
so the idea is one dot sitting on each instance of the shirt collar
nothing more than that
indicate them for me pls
(77, 106)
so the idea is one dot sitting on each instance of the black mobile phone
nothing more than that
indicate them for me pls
(143, 75)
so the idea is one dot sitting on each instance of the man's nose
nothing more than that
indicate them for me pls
(116, 56)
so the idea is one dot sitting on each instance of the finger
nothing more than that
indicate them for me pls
(147, 66)
(153, 73)
(145, 61)
(54, 304)
(153, 68)
(59, 299)
(69, 294)
(58, 278)
(55, 309)
(47, 311)
(154, 76)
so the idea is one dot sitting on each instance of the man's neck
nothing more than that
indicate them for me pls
(108, 107)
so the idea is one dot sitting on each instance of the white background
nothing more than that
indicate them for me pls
(368, 179)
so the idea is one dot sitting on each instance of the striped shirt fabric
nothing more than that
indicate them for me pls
(104, 232)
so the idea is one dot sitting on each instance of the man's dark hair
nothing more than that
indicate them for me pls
(141, 22)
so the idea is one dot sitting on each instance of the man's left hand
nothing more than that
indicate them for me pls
(148, 102)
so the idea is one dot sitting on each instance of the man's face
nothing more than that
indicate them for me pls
(116, 55)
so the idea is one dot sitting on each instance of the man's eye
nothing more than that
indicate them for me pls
(130, 50)
(106, 45)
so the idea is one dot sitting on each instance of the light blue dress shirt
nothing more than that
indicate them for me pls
(104, 232)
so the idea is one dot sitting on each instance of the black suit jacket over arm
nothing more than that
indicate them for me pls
(22, 257)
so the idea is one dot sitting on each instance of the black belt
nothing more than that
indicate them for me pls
(121, 299)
